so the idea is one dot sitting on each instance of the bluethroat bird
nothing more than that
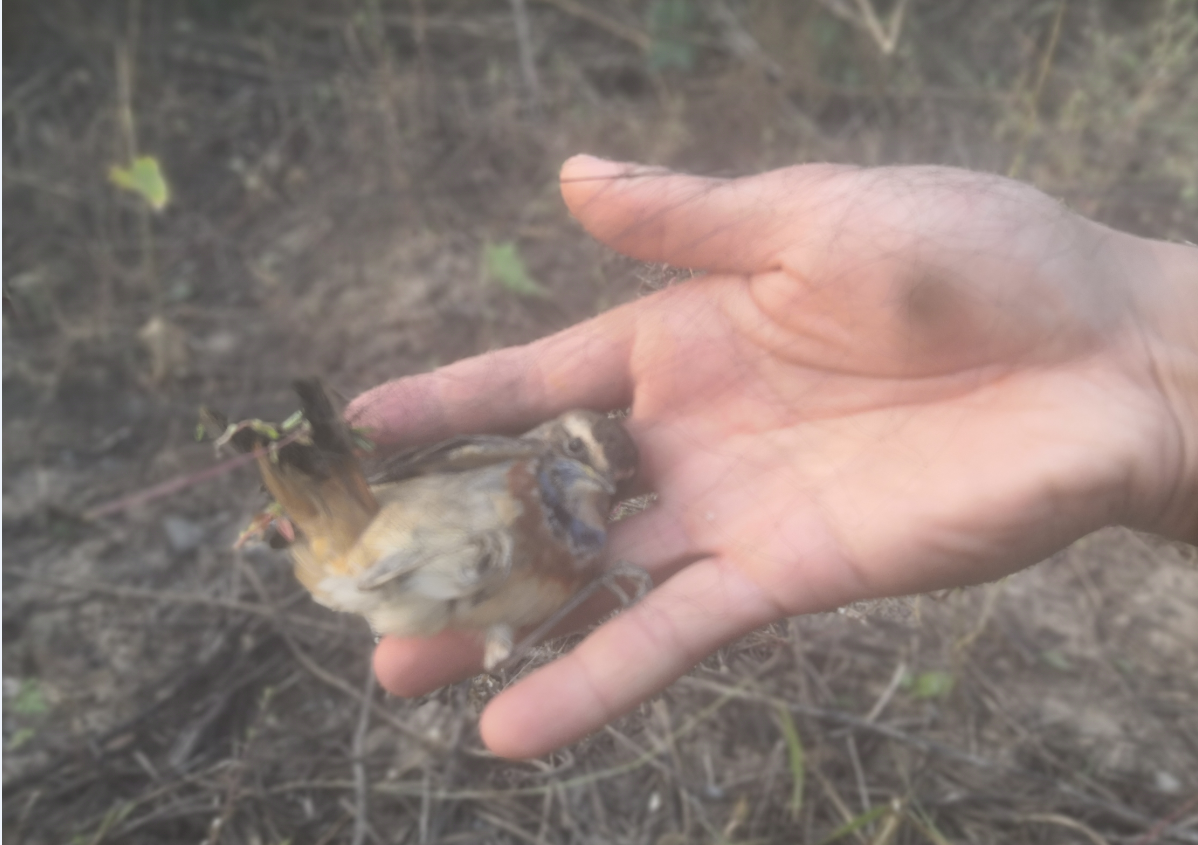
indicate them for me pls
(480, 532)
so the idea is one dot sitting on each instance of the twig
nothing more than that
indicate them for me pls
(123, 58)
(333, 831)
(126, 52)
(166, 488)
(630, 34)
(846, 815)
(426, 803)
(1157, 830)
(361, 787)
(846, 719)
(97, 743)
(322, 674)
(171, 597)
(900, 671)
(1065, 821)
(19, 827)
(990, 601)
(553, 784)
(858, 773)
(174, 485)
(886, 39)
(866, 18)
(510, 827)
(947, 751)
(742, 44)
(1033, 103)
(528, 67)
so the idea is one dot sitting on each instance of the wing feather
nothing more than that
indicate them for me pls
(458, 454)
(444, 567)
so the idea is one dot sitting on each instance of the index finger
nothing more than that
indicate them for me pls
(584, 366)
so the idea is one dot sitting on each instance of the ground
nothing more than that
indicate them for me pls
(345, 180)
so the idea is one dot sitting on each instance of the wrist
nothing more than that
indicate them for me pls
(1168, 303)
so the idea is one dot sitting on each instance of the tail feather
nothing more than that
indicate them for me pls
(320, 483)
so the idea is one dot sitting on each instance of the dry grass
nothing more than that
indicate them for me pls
(337, 170)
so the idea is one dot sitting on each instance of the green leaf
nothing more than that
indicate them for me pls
(932, 684)
(796, 758)
(853, 825)
(669, 23)
(19, 738)
(29, 700)
(1056, 660)
(670, 16)
(115, 815)
(665, 54)
(144, 178)
(926, 826)
(264, 428)
(293, 421)
(502, 262)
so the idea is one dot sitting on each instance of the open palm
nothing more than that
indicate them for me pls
(886, 381)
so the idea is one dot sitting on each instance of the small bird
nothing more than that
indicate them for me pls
(479, 532)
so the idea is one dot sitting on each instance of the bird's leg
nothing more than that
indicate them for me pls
(606, 579)
(624, 569)
(498, 651)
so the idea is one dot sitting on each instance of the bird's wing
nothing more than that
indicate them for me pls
(458, 454)
(444, 565)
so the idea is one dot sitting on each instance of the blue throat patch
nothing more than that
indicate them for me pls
(555, 477)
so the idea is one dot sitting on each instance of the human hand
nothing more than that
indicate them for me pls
(888, 381)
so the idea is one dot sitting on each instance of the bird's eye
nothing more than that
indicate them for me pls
(576, 448)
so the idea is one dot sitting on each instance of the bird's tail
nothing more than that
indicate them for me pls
(314, 474)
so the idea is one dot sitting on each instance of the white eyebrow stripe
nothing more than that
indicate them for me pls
(581, 427)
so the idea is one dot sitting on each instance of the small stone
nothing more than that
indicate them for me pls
(166, 344)
(1166, 782)
(183, 534)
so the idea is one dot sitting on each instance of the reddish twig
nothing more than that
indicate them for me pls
(1154, 832)
(174, 485)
